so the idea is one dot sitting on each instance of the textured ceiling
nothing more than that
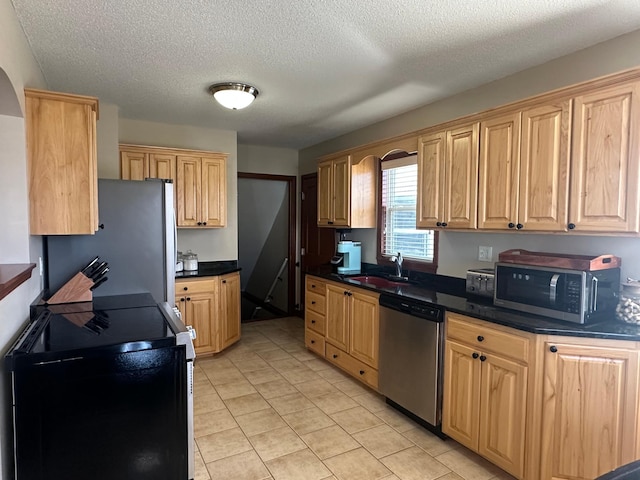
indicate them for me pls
(323, 67)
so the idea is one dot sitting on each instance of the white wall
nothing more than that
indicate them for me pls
(459, 250)
(17, 70)
(107, 140)
(268, 160)
(209, 244)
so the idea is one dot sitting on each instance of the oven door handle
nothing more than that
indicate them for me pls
(594, 293)
(553, 287)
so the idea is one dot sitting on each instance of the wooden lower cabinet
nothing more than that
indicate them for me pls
(211, 305)
(485, 391)
(342, 325)
(589, 408)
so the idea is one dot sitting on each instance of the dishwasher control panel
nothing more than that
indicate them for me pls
(414, 308)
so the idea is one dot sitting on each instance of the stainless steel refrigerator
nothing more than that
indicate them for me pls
(137, 237)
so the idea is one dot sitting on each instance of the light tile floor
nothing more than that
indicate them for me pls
(267, 408)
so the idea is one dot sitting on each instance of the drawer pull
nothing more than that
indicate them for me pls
(482, 358)
(335, 355)
(553, 349)
(313, 302)
(186, 288)
(313, 286)
(313, 321)
(188, 299)
(313, 341)
(475, 355)
(480, 338)
(361, 372)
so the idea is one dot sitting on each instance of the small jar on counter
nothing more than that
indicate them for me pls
(628, 309)
(190, 261)
(179, 264)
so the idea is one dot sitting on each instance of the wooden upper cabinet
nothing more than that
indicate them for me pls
(605, 158)
(590, 409)
(201, 191)
(544, 167)
(162, 166)
(499, 171)
(448, 178)
(134, 165)
(347, 192)
(62, 163)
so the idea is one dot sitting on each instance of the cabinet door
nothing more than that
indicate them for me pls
(461, 395)
(337, 316)
(214, 192)
(134, 165)
(188, 189)
(342, 192)
(544, 167)
(200, 308)
(590, 418)
(62, 164)
(162, 166)
(499, 163)
(229, 309)
(364, 334)
(461, 177)
(325, 194)
(503, 408)
(605, 158)
(431, 155)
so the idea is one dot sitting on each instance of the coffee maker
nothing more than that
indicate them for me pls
(349, 252)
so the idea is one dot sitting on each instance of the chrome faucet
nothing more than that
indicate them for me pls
(397, 259)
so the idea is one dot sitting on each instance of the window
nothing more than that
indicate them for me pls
(397, 222)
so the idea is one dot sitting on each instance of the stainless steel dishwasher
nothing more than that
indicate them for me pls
(410, 367)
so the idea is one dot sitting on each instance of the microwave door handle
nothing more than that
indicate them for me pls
(594, 293)
(553, 287)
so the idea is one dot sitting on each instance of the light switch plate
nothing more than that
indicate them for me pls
(485, 254)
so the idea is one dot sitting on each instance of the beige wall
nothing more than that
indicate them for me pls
(17, 70)
(107, 140)
(268, 160)
(458, 250)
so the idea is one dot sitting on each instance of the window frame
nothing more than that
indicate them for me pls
(408, 263)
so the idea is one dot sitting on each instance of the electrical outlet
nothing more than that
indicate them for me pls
(485, 254)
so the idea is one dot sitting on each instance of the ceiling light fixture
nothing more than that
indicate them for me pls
(234, 96)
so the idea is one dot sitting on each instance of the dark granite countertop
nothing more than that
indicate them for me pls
(211, 269)
(449, 293)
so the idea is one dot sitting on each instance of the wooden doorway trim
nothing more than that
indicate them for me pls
(291, 250)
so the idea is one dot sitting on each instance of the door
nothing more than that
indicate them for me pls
(461, 397)
(229, 309)
(431, 152)
(544, 167)
(590, 403)
(499, 163)
(605, 157)
(364, 328)
(461, 177)
(337, 316)
(188, 190)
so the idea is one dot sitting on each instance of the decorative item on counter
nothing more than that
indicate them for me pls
(179, 262)
(628, 309)
(190, 261)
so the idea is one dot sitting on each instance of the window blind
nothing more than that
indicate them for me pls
(399, 195)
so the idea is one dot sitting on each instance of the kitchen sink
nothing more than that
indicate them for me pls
(376, 281)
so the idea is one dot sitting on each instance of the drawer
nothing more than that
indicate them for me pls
(196, 286)
(314, 284)
(482, 336)
(315, 302)
(356, 368)
(314, 341)
(314, 321)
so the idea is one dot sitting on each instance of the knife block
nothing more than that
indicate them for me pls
(75, 290)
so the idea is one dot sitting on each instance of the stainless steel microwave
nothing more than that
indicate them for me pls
(572, 295)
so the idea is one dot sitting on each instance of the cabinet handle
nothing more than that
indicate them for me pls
(480, 338)
(224, 281)
(511, 225)
(330, 223)
(444, 224)
(349, 293)
(482, 358)
(313, 302)
(199, 223)
(519, 226)
(571, 226)
(204, 223)
(475, 355)
(101, 226)
(438, 224)
(313, 341)
(361, 372)
(182, 299)
(188, 299)
(313, 286)
(553, 349)
(313, 321)
(345, 292)
(186, 288)
(335, 355)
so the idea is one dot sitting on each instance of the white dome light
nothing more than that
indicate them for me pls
(234, 96)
